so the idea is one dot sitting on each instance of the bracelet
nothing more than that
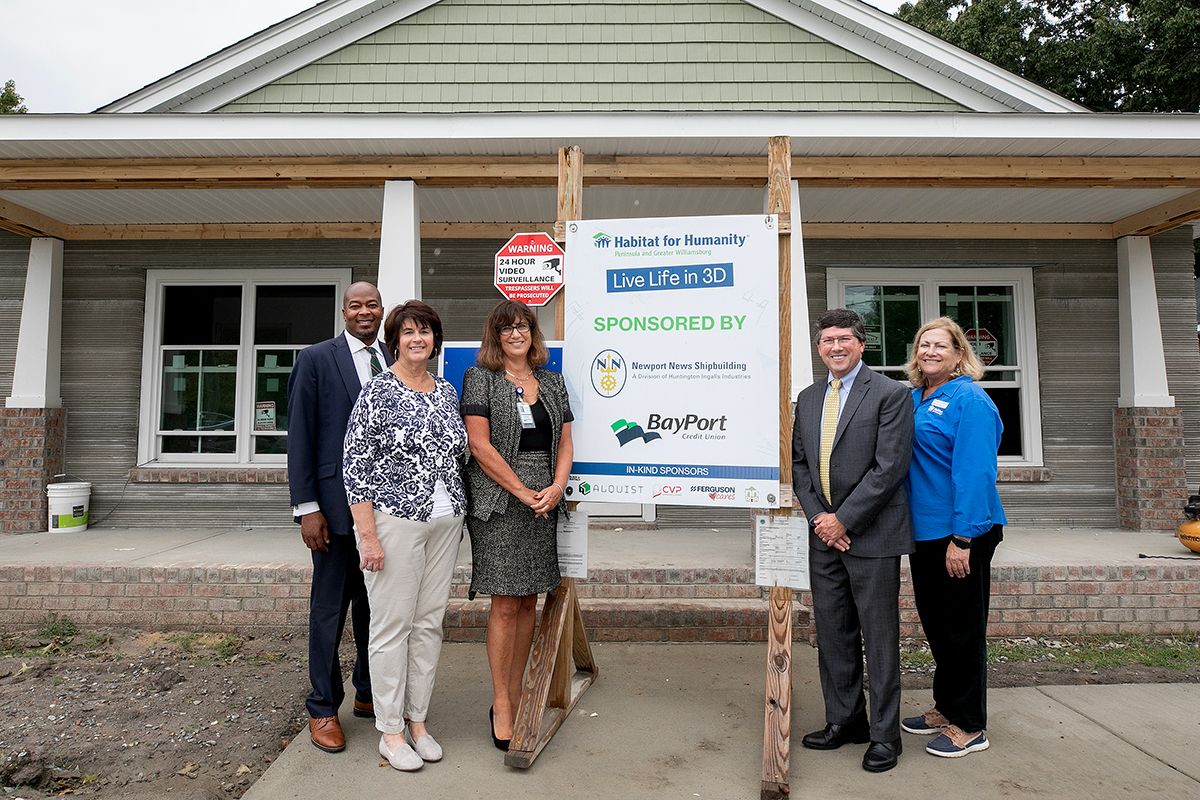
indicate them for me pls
(562, 489)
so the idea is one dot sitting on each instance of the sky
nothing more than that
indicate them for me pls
(73, 56)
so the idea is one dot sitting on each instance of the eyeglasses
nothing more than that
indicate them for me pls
(841, 341)
(520, 327)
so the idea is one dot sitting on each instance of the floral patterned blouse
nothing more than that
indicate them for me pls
(399, 443)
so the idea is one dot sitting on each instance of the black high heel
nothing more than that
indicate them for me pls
(501, 744)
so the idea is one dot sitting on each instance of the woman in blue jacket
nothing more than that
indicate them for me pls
(957, 523)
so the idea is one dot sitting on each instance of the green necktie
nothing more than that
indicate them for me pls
(376, 367)
(828, 432)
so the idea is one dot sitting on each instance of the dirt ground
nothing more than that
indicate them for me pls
(121, 713)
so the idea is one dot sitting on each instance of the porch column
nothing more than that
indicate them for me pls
(33, 420)
(400, 244)
(1147, 427)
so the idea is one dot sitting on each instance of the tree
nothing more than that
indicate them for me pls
(1108, 55)
(10, 101)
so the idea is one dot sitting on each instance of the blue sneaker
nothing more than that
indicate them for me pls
(954, 742)
(927, 724)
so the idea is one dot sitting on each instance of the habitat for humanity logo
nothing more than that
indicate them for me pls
(601, 239)
(626, 432)
(608, 373)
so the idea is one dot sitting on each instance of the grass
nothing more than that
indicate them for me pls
(56, 627)
(1178, 653)
(225, 646)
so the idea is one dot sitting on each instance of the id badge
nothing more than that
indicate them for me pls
(525, 411)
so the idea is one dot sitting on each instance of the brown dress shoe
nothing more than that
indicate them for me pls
(364, 710)
(326, 734)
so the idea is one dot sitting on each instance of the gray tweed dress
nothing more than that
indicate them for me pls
(512, 552)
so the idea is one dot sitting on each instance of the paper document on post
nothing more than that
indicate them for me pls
(781, 551)
(572, 545)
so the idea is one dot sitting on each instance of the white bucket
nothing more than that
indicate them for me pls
(69, 505)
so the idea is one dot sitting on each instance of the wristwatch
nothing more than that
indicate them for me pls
(961, 544)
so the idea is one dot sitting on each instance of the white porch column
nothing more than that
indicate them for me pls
(38, 368)
(400, 244)
(1143, 366)
(802, 366)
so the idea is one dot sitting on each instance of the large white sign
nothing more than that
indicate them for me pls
(672, 360)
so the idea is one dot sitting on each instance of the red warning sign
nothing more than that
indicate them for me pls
(984, 343)
(530, 268)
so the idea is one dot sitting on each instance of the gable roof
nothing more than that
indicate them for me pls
(961, 80)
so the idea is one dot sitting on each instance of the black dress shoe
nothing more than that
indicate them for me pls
(501, 744)
(882, 756)
(834, 736)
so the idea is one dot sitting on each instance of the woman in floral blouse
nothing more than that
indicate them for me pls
(402, 469)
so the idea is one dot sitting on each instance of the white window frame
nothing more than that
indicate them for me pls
(156, 282)
(929, 278)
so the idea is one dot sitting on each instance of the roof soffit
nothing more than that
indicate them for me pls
(322, 30)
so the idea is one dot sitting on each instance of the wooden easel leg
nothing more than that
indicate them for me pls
(551, 689)
(777, 727)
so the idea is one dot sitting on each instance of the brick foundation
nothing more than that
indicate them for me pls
(32, 441)
(627, 605)
(1151, 470)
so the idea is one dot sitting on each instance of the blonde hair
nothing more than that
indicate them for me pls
(970, 364)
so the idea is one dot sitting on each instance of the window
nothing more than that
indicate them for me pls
(995, 308)
(219, 346)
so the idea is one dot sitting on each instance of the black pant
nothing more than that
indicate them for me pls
(337, 586)
(954, 613)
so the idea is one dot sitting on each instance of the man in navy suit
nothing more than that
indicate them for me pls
(321, 392)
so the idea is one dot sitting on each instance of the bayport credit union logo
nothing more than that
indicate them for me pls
(626, 432)
(608, 373)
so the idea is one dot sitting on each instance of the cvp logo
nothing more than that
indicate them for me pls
(601, 240)
(668, 490)
(608, 373)
(626, 432)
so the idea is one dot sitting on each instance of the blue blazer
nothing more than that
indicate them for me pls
(321, 392)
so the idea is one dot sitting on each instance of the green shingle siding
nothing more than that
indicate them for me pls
(557, 55)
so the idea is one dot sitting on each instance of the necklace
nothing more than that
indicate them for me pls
(524, 377)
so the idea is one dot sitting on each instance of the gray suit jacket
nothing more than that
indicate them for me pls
(871, 451)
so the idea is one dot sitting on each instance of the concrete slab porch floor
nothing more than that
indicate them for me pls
(677, 585)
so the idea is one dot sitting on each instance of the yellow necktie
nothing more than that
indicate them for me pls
(829, 423)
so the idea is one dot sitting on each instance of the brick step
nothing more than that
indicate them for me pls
(724, 583)
(647, 620)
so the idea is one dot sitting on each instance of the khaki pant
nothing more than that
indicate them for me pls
(408, 600)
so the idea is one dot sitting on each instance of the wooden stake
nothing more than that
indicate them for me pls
(777, 723)
(552, 689)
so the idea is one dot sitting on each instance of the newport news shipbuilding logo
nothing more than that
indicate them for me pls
(626, 432)
(608, 373)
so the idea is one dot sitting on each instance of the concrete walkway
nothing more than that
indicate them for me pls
(686, 721)
(686, 548)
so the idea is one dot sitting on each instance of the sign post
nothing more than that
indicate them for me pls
(530, 268)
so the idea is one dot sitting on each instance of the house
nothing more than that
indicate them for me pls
(163, 259)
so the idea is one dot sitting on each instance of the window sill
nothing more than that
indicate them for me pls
(236, 474)
(1024, 475)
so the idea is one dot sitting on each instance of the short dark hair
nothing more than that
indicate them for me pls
(412, 311)
(841, 318)
(508, 312)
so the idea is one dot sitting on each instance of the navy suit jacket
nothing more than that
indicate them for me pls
(321, 393)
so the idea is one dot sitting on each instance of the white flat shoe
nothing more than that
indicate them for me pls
(426, 747)
(402, 758)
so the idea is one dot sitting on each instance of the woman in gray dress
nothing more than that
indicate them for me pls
(518, 423)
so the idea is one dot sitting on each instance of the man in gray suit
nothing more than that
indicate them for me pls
(851, 446)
